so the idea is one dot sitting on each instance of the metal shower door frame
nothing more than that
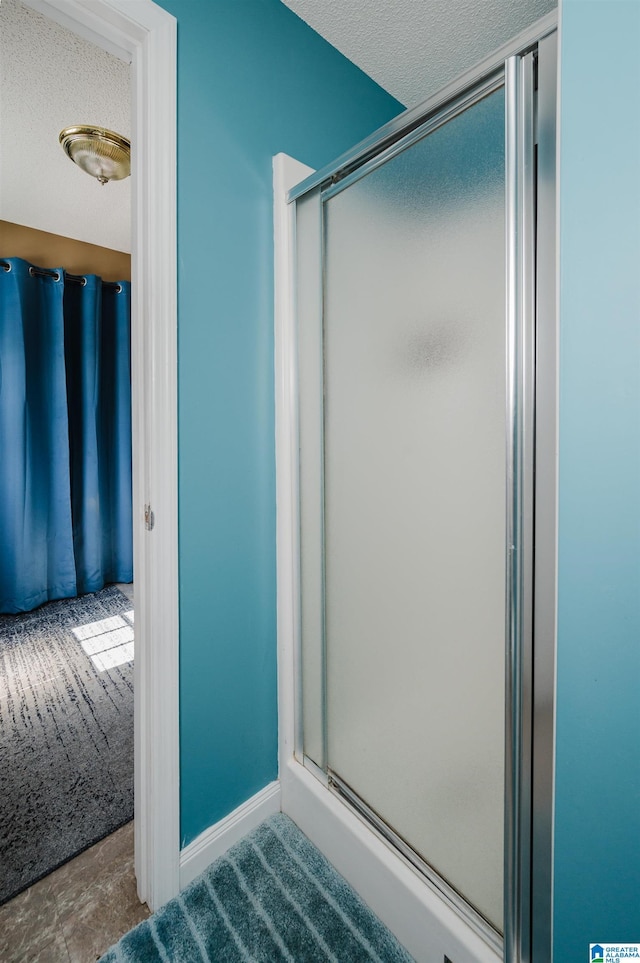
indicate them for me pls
(527, 69)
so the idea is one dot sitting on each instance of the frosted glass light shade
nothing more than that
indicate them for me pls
(98, 151)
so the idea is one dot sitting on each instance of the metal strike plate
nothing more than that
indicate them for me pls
(149, 518)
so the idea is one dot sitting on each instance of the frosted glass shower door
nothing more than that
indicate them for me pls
(414, 342)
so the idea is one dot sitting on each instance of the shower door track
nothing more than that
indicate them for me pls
(444, 889)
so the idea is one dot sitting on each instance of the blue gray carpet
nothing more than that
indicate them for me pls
(273, 898)
(66, 732)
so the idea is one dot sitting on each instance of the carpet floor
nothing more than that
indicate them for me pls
(273, 898)
(66, 732)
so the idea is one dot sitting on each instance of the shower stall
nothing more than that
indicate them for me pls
(423, 403)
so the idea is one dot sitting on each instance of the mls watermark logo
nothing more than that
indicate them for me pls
(613, 952)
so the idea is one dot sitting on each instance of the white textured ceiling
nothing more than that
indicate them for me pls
(412, 48)
(49, 79)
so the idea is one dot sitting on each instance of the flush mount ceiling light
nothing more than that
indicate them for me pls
(98, 151)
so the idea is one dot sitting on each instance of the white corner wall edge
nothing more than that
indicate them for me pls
(215, 841)
(287, 172)
(145, 34)
(418, 916)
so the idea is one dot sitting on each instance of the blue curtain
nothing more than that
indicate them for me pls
(65, 436)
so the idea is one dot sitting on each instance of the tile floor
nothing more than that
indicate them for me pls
(76, 913)
(126, 588)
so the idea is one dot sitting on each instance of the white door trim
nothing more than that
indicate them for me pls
(145, 34)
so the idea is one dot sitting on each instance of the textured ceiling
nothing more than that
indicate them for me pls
(49, 79)
(412, 48)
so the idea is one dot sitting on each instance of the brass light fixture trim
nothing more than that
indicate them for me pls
(98, 151)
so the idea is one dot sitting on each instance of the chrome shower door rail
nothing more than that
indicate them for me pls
(520, 186)
(527, 69)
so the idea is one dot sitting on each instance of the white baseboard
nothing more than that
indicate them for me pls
(216, 840)
(421, 920)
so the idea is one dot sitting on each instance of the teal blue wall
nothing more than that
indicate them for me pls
(253, 80)
(597, 828)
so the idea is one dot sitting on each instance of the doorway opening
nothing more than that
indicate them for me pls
(66, 631)
(146, 38)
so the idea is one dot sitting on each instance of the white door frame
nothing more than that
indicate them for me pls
(145, 35)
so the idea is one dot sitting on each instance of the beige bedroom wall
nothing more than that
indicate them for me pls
(52, 251)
